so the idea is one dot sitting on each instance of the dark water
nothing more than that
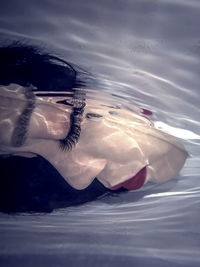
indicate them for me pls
(148, 54)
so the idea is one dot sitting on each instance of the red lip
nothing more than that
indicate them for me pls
(133, 183)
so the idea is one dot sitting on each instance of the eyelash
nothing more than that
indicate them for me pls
(75, 129)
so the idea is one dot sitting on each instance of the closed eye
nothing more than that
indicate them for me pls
(75, 126)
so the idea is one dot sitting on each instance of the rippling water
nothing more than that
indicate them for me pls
(146, 53)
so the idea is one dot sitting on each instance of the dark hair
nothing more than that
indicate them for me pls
(33, 185)
(27, 65)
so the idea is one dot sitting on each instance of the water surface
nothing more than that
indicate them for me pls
(146, 53)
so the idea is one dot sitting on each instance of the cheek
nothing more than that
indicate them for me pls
(113, 144)
(80, 174)
(76, 167)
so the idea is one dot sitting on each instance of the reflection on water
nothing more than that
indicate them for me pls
(141, 53)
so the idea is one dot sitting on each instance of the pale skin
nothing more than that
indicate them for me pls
(113, 146)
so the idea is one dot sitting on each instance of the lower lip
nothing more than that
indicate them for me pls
(133, 183)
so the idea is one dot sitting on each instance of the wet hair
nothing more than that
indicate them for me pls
(34, 185)
(25, 65)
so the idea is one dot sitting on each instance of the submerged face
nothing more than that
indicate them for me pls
(118, 147)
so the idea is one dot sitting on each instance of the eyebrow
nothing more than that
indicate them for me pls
(20, 131)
